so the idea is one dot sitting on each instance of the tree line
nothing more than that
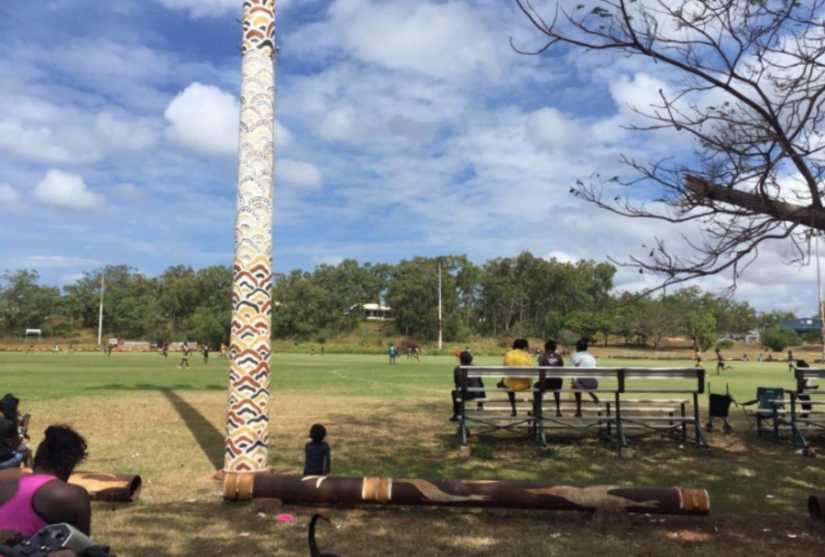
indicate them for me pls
(509, 296)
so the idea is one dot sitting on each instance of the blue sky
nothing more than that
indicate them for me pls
(406, 127)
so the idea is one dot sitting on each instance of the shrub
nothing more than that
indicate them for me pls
(725, 343)
(778, 339)
(812, 337)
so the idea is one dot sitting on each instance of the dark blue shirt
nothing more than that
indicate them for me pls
(318, 459)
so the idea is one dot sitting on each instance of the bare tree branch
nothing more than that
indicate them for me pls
(765, 60)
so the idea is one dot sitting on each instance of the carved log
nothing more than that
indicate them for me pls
(102, 486)
(486, 494)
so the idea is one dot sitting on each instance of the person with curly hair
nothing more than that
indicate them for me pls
(45, 497)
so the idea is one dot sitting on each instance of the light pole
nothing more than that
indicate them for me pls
(440, 327)
(100, 316)
(819, 295)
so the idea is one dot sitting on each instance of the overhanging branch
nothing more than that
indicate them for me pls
(757, 204)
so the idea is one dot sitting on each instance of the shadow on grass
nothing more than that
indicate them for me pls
(210, 439)
(149, 387)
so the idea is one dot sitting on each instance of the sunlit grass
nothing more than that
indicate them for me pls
(141, 414)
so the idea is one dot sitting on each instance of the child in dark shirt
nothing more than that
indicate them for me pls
(318, 459)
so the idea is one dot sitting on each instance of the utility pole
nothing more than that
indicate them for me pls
(440, 327)
(819, 294)
(100, 317)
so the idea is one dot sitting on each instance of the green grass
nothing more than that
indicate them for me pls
(43, 375)
(143, 414)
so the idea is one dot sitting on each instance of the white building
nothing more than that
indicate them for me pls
(372, 312)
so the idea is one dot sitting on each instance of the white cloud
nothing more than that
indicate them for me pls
(441, 39)
(205, 119)
(123, 135)
(205, 8)
(129, 191)
(67, 191)
(57, 261)
(297, 173)
(10, 199)
(331, 260)
(72, 137)
(216, 8)
(549, 129)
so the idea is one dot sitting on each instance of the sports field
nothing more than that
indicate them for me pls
(142, 414)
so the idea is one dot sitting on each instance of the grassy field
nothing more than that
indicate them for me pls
(142, 414)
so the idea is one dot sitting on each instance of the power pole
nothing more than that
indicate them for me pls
(247, 419)
(819, 293)
(100, 317)
(440, 327)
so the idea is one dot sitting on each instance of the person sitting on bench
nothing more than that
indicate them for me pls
(466, 359)
(582, 358)
(551, 358)
(33, 502)
(800, 394)
(519, 356)
(13, 450)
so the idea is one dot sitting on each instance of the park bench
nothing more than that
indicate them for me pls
(495, 415)
(615, 413)
(638, 409)
(808, 404)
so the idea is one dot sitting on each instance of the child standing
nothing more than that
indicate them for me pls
(318, 458)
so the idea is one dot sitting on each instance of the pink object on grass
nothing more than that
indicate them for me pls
(284, 518)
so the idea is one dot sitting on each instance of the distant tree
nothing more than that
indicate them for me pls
(24, 303)
(778, 339)
(748, 88)
(654, 321)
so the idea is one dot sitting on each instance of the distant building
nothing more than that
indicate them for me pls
(801, 326)
(371, 312)
(752, 336)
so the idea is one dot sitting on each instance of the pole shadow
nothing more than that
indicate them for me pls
(209, 438)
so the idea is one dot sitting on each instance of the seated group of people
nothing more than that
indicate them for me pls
(520, 356)
(31, 501)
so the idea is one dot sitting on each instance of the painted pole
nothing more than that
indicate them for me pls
(247, 420)
(316, 490)
(100, 316)
(440, 327)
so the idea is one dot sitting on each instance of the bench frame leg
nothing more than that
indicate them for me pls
(697, 424)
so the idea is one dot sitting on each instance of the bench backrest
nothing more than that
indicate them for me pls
(692, 379)
(804, 374)
(695, 376)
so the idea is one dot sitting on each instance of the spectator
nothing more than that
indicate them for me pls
(13, 451)
(803, 397)
(318, 456)
(790, 361)
(582, 358)
(519, 356)
(466, 359)
(551, 358)
(33, 502)
(393, 353)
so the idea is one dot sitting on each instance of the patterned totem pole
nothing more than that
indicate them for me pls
(247, 420)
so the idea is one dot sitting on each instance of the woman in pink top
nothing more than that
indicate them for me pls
(33, 502)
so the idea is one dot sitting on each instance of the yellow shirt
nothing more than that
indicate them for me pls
(518, 358)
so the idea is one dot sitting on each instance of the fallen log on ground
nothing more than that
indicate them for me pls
(484, 494)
